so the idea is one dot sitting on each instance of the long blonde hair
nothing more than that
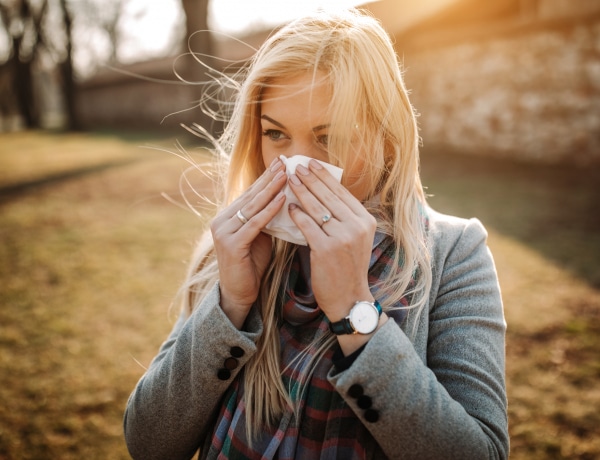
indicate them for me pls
(370, 112)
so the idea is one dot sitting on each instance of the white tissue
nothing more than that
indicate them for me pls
(282, 226)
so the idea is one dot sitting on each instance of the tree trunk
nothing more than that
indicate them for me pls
(198, 40)
(23, 83)
(196, 20)
(67, 73)
(20, 64)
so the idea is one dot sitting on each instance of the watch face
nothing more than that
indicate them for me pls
(364, 317)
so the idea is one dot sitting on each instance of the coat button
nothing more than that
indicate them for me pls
(223, 374)
(236, 352)
(356, 391)
(371, 415)
(364, 402)
(230, 364)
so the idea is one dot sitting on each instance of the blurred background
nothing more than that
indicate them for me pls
(97, 218)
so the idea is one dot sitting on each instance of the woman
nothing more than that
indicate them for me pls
(383, 337)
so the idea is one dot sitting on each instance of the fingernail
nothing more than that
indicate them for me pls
(301, 170)
(278, 176)
(315, 164)
(294, 180)
(275, 165)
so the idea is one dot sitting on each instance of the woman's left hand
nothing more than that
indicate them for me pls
(340, 233)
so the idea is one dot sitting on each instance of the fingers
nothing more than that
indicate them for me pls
(259, 219)
(311, 227)
(317, 171)
(257, 205)
(275, 172)
(259, 208)
(330, 217)
(323, 197)
(311, 205)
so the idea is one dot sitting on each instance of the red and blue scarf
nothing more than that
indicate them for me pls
(323, 426)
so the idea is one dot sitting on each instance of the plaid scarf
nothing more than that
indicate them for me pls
(323, 427)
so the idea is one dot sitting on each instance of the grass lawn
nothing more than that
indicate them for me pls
(91, 256)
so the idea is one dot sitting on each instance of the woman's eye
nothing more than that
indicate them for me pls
(323, 139)
(273, 134)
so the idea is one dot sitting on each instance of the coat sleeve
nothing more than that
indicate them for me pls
(449, 402)
(174, 402)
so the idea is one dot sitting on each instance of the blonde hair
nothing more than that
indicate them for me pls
(370, 112)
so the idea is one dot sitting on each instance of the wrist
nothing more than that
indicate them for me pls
(363, 319)
(236, 312)
(349, 343)
(343, 306)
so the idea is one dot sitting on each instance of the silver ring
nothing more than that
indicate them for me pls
(326, 218)
(241, 217)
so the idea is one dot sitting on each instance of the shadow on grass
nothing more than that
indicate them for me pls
(13, 191)
(551, 208)
(180, 135)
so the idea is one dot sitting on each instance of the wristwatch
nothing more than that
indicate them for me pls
(362, 319)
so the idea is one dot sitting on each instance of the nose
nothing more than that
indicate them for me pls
(308, 148)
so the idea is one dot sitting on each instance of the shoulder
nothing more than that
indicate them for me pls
(458, 250)
(447, 229)
(447, 234)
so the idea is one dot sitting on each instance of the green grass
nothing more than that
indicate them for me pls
(90, 262)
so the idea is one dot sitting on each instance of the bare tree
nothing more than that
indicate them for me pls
(196, 19)
(198, 37)
(23, 24)
(110, 23)
(199, 42)
(39, 29)
(69, 88)
(103, 17)
(47, 29)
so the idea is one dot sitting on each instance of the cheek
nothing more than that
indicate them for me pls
(268, 155)
(355, 182)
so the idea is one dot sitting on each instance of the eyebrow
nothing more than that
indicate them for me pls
(269, 119)
(276, 123)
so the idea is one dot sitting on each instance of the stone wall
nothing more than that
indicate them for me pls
(525, 86)
(131, 104)
(530, 91)
(149, 95)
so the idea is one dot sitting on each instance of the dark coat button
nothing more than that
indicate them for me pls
(230, 363)
(371, 415)
(364, 402)
(356, 390)
(223, 374)
(236, 352)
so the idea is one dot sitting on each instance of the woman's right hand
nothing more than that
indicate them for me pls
(243, 251)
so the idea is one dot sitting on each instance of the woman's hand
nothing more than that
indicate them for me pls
(340, 233)
(243, 251)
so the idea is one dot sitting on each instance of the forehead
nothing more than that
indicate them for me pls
(307, 92)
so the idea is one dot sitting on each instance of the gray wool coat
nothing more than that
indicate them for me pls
(437, 381)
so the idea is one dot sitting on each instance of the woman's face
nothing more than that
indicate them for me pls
(294, 121)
